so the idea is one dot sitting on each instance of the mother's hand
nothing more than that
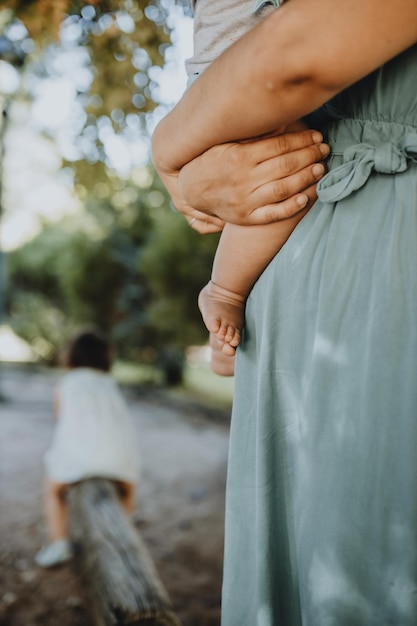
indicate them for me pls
(258, 181)
(203, 223)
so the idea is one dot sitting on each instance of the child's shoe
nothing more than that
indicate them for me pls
(59, 551)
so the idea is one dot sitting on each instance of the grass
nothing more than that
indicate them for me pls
(200, 384)
(129, 373)
(201, 381)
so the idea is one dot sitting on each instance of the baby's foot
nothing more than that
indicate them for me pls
(223, 314)
(220, 363)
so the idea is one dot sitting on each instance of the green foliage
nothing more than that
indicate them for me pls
(135, 270)
(123, 60)
(123, 41)
(177, 262)
(127, 262)
(40, 322)
(43, 18)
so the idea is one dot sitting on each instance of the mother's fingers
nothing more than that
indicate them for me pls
(289, 163)
(274, 212)
(233, 180)
(204, 224)
(270, 147)
(199, 221)
(293, 186)
(206, 228)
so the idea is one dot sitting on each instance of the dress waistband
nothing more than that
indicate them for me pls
(366, 147)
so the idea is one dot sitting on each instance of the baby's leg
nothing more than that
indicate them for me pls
(242, 255)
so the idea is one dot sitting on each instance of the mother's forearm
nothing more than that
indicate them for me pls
(291, 63)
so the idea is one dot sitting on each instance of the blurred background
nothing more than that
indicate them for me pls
(87, 231)
(88, 236)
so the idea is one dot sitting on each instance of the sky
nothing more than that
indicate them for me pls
(34, 186)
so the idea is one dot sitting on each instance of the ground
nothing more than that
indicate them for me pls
(179, 511)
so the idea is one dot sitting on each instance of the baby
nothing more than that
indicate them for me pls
(243, 251)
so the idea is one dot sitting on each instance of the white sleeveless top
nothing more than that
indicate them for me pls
(94, 435)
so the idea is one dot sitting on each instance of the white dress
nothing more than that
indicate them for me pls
(95, 435)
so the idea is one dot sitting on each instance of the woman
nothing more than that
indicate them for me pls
(321, 504)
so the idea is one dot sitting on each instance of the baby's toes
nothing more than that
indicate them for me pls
(213, 324)
(230, 334)
(222, 331)
(235, 340)
(228, 349)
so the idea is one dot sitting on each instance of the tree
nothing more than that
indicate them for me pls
(134, 269)
(127, 262)
(117, 44)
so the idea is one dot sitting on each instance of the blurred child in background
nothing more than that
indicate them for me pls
(94, 437)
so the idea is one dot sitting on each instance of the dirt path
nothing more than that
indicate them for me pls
(180, 505)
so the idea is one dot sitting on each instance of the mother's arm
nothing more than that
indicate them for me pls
(290, 64)
(234, 180)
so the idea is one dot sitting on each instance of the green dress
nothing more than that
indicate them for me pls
(321, 505)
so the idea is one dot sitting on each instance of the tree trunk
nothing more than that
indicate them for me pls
(124, 583)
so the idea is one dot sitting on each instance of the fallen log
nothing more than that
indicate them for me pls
(125, 586)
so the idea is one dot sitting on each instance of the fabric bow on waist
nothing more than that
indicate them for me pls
(360, 160)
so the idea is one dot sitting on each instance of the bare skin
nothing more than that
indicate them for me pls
(244, 252)
(325, 49)
(242, 255)
(238, 263)
(56, 510)
(294, 166)
(223, 315)
(220, 363)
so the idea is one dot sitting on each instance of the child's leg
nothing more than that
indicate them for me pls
(56, 510)
(59, 549)
(242, 255)
(127, 496)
